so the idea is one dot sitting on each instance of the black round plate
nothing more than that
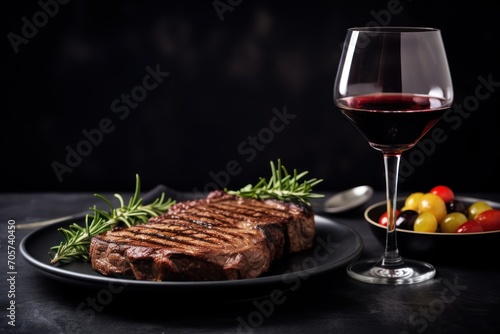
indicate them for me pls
(335, 245)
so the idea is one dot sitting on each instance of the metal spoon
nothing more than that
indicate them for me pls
(348, 199)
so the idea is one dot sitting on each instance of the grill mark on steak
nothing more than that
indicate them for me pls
(210, 220)
(150, 238)
(214, 219)
(248, 211)
(238, 211)
(258, 206)
(230, 218)
(185, 232)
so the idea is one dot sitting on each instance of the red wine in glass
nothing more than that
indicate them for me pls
(392, 121)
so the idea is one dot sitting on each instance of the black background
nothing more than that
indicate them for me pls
(226, 76)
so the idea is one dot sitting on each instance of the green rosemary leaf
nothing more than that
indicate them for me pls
(282, 186)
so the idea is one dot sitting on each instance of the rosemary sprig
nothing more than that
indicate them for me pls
(77, 238)
(282, 186)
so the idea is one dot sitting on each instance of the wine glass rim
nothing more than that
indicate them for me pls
(393, 29)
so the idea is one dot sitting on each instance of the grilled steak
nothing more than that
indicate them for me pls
(221, 237)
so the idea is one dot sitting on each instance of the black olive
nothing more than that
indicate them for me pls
(406, 219)
(456, 206)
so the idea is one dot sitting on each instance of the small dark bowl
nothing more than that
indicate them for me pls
(479, 247)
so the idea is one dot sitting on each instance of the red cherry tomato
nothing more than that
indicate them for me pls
(470, 227)
(383, 218)
(489, 219)
(444, 192)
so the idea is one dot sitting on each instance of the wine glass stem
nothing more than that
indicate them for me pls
(391, 255)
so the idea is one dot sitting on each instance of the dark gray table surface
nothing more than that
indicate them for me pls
(462, 298)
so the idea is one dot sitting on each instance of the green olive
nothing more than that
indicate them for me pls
(452, 221)
(476, 208)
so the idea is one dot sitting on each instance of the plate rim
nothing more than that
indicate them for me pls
(59, 273)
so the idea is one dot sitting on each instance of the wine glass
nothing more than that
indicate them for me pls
(393, 84)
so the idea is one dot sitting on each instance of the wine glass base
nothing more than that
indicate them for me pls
(409, 272)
